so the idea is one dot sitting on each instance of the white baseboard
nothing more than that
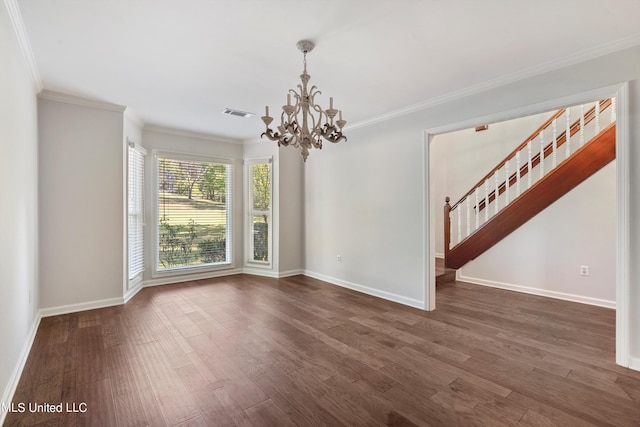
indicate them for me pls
(132, 292)
(290, 273)
(537, 291)
(634, 363)
(262, 272)
(367, 290)
(271, 273)
(83, 306)
(439, 255)
(7, 395)
(91, 305)
(190, 277)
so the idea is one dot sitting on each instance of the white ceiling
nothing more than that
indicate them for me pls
(178, 64)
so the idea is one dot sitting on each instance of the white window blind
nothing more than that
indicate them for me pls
(135, 209)
(193, 213)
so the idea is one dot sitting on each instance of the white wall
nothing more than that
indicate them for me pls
(81, 203)
(545, 254)
(167, 140)
(18, 207)
(363, 201)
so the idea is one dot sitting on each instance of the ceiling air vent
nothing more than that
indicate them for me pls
(237, 113)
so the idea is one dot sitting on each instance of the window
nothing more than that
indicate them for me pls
(135, 208)
(193, 213)
(259, 189)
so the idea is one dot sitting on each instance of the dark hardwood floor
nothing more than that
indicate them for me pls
(250, 351)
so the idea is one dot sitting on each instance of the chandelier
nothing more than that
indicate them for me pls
(304, 124)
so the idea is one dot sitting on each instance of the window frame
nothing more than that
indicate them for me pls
(186, 270)
(250, 212)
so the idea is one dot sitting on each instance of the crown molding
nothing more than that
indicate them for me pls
(567, 61)
(23, 41)
(77, 100)
(190, 134)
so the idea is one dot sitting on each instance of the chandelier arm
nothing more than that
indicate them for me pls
(280, 139)
(332, 134)
(298, 106)
(335, 138)
(322, 116)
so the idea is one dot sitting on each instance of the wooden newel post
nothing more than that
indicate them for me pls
(447, 228)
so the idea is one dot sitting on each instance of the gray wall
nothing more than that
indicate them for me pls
(81, 204)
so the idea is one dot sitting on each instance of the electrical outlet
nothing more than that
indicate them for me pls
(340, 258)
(584, 270)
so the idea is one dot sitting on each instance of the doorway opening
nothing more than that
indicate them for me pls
(619, 172)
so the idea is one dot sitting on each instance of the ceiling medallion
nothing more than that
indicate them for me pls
(304, 124)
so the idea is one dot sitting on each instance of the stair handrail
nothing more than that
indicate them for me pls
(588, 116)
(511, 155)
(548, 149)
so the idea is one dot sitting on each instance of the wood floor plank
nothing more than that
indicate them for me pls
(300, 407)
(128, 407)
(173, 399)
(336, 400)
(267, 414)
(89, 341)
(252, 351)
(223, 411)
(98, 397)
(541, 414)
(150, 405)
(198, 421)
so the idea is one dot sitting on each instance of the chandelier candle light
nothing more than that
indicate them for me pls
(304, 124)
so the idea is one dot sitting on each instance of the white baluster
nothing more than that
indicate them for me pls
(541, 153)
(529, 167)
(506, 183)
(597, 117)
(486, 200)
(567, 138)
(613, 110)
(581, 125)
(459, 223)
(468, 217)
(495, 199)
(555, 144)
(517, 173)
(477, 210)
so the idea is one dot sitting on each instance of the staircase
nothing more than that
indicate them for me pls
(444, 275)
(554, 159)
